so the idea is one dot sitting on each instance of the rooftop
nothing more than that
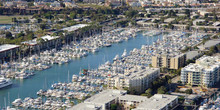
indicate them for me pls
(34, 41)
(168, 20)
(130, 98)
(192, 54)
(142, 72)
(208, 60)
(96, 102)
(75, 27)
(156, 102)
(84, 106)
(174, 54)
(205, 63)
(216, 23)
(7, 47)
(105, 96)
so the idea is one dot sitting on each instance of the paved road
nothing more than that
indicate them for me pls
(170, 30)
(182, 8)
(176, 79)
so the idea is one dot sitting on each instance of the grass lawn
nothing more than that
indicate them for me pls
(8, 19)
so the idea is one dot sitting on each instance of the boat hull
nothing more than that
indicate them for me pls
(5, 85)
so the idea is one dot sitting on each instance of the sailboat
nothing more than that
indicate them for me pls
(124, 53)
(116, 57)
(4, 82)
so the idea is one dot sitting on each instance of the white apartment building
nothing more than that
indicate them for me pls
(191, 1)
(8, 50)
(138, 79)
(205, 72)
(159, 102)
(104, 99)
(100, 101)
(129, 101)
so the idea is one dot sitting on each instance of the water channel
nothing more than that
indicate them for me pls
(59, 73)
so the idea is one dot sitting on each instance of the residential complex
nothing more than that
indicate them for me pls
(159, 102)
(53, 4)
(104, 99)
(170, 61)
(7, 50)
(44, 42)
(74, 27)
(205, 72)
(100, 101)
(137, 79)
(128, 101)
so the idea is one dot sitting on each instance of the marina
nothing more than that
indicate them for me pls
(91, 80)
(5, 26)
(25, 67)
(59, 73)
(109, 55)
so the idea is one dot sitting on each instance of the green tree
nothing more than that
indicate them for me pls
(213, 49)
(14, 19)
(30, 36)
(113, 106)
(148, 92)
(131, 13)
(179, 82)
(21, 34)
(48, 15)
(188, 91)
(73, 15)
(162, 90)
(8, 35)
(187, 12)
(40, 40)
(39, 20)
(187, 27)
(171, 13)
(215, 18)
(43, 26)
(1, 11)
(30, 4)
(170, 26)
(169, 81)
(72, 103)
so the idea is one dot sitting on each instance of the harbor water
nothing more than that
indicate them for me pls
(5, 26)
(60, 73)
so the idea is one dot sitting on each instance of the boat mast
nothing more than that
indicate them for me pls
(5, 102)
(68, 76)
(8, 98)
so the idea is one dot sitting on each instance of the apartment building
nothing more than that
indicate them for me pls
(137, 80)
(205, 72)
(100, 101)
(42, 43)
(8, 51)
(93, 1)
(159, 102)
(170, 61)
(130, 101)
(104, 99)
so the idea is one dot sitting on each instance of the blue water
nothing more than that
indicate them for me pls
(6, 26)
(59, 73)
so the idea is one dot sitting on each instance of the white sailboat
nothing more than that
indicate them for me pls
(124, 53)
(4, 82)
